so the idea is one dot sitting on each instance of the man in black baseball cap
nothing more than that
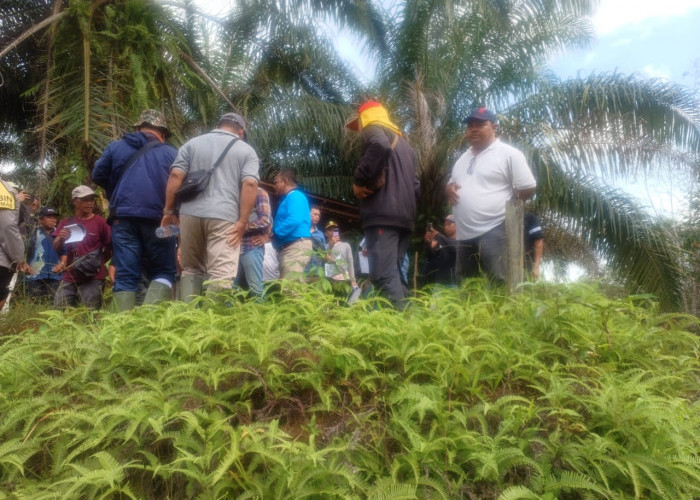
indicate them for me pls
(483, 179)
(41, 269)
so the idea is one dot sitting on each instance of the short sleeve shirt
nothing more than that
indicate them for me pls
(221, 199)
(97, 235)
(488, 180)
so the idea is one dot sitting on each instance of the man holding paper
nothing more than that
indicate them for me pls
(83, 245)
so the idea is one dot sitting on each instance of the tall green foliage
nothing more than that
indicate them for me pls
(90, 69)
(557, 392)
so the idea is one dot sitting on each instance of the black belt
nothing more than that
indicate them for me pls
(292, 242)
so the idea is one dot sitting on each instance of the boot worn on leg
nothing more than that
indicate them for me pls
(157, 292)
(123, 301)
(190, 287)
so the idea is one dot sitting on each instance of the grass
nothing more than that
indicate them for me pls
(557, 392)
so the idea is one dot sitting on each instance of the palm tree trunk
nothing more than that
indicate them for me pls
(47, 84)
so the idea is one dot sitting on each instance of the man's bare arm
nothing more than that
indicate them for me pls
(175, 180)
(249, 193)
(524, 194)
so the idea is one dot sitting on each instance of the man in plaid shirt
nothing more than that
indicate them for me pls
(252, 246)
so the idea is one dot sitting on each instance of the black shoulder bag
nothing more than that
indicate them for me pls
(196, 182)
(84, 267)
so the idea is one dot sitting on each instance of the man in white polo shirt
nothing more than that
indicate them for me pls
(483, 179)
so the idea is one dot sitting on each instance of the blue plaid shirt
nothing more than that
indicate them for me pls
(259, 221)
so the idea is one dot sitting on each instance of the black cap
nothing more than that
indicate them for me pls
(46, 211)
(481, 114)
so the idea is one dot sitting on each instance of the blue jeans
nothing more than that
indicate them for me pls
(136, 249)
(250, 270)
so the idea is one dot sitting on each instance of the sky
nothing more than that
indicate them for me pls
(654, 38)
(659, 39)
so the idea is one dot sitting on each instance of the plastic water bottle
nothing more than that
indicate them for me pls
(169, 231)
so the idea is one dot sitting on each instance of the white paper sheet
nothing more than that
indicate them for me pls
(77, 233)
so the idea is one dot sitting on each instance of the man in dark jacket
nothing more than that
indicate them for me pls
(387, 186)
(134, 172)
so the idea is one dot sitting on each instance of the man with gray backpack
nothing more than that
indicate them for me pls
(215, 180)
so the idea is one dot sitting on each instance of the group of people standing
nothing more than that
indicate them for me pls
(207, 193)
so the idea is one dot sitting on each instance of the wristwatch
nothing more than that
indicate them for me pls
(169, 212)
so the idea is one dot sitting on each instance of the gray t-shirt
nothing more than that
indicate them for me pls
(221, 198)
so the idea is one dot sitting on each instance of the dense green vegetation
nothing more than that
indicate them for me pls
(556, 392)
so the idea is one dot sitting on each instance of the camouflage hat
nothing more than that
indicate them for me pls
(155, 119)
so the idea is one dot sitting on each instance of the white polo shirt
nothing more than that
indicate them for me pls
(497, 172)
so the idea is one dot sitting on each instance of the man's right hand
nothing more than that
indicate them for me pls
(64, 234)
(451, 191)
(259, 239)
(169, 219)
(24, 267)
(361, 191)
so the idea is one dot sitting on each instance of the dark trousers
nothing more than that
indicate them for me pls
(73, 294)
(5, 279)
(386, 249)
(134, 243)
(486, 254)
(41, 289)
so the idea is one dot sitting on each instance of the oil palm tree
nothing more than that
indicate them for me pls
(82, 70)
(435, 61)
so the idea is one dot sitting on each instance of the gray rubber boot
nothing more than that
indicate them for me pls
(123, 301)
(157, 292)
(190, 287)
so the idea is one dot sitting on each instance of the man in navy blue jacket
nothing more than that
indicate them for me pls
(134, 172)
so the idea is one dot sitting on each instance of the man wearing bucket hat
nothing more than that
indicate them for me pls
(387, 187)
(134, 172)
(483, 179)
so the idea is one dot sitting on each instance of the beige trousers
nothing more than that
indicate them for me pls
(293, 259)
(204, 251)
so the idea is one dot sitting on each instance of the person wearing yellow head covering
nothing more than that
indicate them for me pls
(387, 187)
